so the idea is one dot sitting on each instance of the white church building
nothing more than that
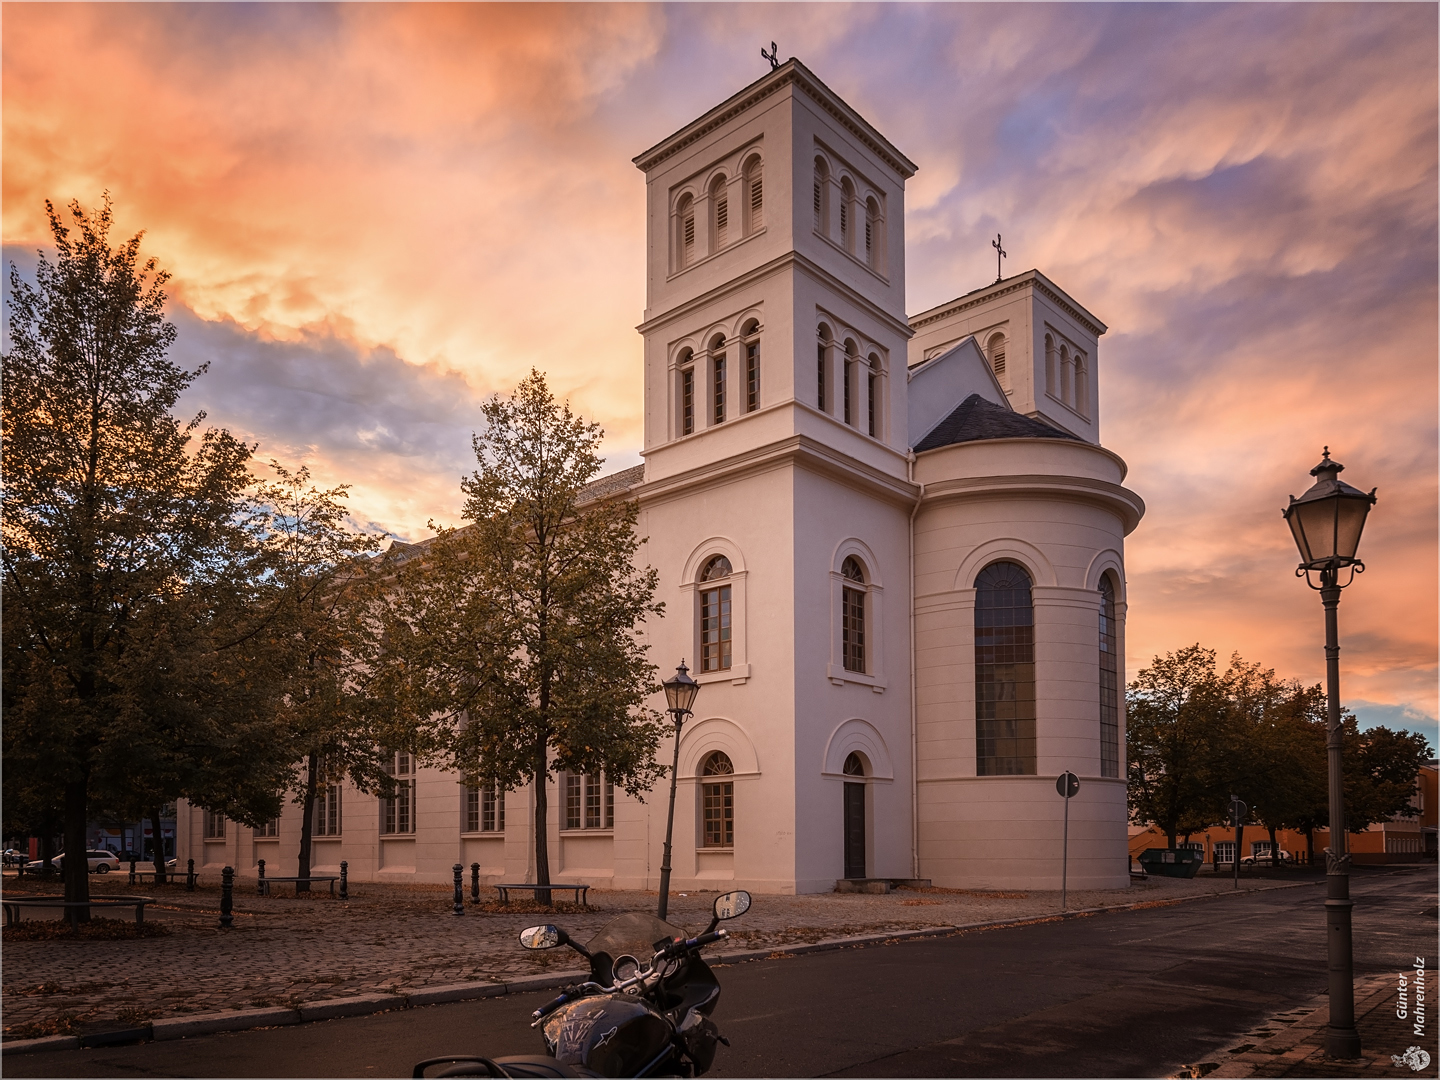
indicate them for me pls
(890, 547)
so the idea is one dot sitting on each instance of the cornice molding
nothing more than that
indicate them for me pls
(1121, 501)
(1032, 278)
(791, 259)
(792, 72)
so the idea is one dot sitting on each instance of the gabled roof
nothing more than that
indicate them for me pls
(975, 419)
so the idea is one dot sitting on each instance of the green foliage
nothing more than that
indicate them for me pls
(517, 634)
(133, 656)
(1196, 735)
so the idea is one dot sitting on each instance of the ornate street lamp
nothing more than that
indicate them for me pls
(1326, 522)
(680, 691)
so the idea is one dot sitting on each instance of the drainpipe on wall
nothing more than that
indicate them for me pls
(914, 751)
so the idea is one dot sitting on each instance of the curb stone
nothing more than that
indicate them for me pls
(369, 1004)
(181, 1027)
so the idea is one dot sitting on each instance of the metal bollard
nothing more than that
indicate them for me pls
(344, 880)
(459, 889)
(190, 875)
(475, 882)
(227, 897)
(260, 885)
(132, 871)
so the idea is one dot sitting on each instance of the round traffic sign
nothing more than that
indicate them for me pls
(1067, 784)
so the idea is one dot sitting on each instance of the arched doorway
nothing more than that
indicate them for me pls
(855, 817)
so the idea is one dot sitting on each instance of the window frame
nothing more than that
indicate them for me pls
(717, 803)
(1013, 645)
(1109, 679)
(398, 811)
(576, 790)
(873, 643)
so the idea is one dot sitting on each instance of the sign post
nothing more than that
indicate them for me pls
(1067, 784)
(1238, 810)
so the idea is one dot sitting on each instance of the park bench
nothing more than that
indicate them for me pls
(13, 904)
(266, 881)
(579, 891)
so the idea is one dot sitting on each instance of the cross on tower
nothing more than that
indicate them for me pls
(773, 55)
(999, 254)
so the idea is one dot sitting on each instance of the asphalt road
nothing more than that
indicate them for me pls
(1137, 993)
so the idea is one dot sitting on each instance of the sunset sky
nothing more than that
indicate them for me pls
(377, 215)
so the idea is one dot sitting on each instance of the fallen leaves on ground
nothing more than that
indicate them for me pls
(94, 930)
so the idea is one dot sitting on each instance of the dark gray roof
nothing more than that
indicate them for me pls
(975, 419)
(613, 484)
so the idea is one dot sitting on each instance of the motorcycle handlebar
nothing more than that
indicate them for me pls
(675, 948)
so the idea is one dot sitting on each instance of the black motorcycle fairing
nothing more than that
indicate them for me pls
(611, 1035)
(692, 985)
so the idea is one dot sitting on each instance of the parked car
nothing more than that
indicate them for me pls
(101, 862)
(11, 857)
(1264, 857)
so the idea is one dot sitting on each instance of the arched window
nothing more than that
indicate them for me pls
(1049, 365)
(854, 816)
(1109, 682)
(750, 334)
(872, 233)
(822, 197)
(1065, 375)
(822, 361)
(872, 395)
(1004, 672)
(854, 766)
(849, 377)
(996, 349)
(717, 802)
(847, 202)
(852, 615)
(685, 367)
(1082, 384)
(715, 630)
(685, 232)
(754, 195)
(717, 379)
(719, 213)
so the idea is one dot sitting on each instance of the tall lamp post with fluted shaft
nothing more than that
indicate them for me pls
(1326, 522)
(680, 691)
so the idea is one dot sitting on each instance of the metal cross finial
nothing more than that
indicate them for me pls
(773, 55)
(1000, 253)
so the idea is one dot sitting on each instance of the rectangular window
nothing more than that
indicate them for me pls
(687, 401)
(719, 383)
(327, 801)
(848, 380)
(1260, 847)
(722, 221)
(757, 202)
(718, 811)
(1225, 851)
(214, 825)
(715, 629)
(869, 229)
(817, 205)
(398, 811)
(852, 628)
(269, 830)
(870, 397)
(484, 811)
(844, 218)
(589, 801)
(1005, 681)
(820, 375)
(689, 244)
(752, 376)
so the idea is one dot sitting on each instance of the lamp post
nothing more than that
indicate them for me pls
(680, 691)
(1326, 522)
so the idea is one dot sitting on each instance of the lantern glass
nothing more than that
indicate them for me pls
(1349, 521)
(680, 690)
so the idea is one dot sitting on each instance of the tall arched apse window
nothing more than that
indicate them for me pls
(717, 802)
(1109, 682)
(1004, 672)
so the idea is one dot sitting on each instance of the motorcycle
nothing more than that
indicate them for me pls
(629, 1018)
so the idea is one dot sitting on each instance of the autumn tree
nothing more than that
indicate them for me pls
(1175, 718)
(520, 631)
(130, 633)
(319, 564)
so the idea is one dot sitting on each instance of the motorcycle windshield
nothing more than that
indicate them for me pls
(633, 935)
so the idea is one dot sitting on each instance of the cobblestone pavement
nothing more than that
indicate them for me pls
(284, 950)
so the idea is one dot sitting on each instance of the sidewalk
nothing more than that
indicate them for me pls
(1298, 1047)
(285, 951)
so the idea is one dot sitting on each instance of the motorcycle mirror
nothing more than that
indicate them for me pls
(731, 905)
(543, 937)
